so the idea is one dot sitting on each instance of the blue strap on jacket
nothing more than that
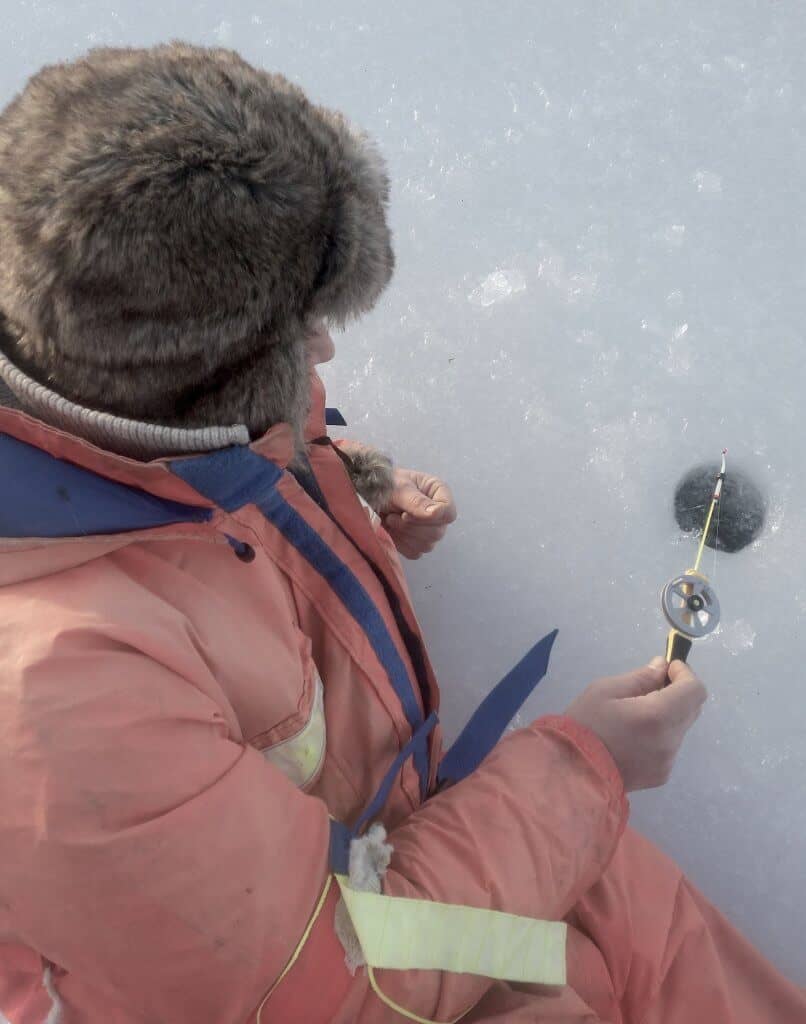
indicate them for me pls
(212, 476)
(53, 498)
(493, 715)
(484, 729)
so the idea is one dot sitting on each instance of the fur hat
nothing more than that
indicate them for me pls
(172, 221)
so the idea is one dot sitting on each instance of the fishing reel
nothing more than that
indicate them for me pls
(689, 602)
(691, 608)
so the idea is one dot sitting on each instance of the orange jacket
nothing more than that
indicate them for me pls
(177, 724)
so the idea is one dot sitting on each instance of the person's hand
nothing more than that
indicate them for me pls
(642, 721)
(419, 512)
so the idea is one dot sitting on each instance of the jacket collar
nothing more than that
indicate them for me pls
(133, 453)
(136, 440)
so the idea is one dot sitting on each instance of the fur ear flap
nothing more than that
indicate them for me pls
(357, 263)
(358, 260)
(336, 254)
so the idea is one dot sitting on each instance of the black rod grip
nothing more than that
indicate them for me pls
(678, 647)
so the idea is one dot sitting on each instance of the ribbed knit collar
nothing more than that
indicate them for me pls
(136, 440)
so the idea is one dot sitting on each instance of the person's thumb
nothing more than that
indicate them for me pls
(640, 681)
(408, 498)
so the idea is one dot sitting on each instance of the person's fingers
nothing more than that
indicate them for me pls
(439, 505)
(401, 526)
(392, 522)
(421, 544)
(637, 683)
(445, 510)
(424, 534)
(686, 688)
(679, 671)
(410, 551)
(408, 498)
(434, 521)
(681, 702)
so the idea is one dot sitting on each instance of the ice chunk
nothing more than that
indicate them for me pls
(223, 32)
(707, 181)
(672, 234)
(737, 636)
(501, 284)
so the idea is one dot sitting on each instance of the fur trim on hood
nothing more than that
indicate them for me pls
(172, 221)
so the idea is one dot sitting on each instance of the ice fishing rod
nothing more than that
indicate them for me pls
(689, 601)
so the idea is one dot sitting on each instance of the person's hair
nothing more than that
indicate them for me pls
(172, 221)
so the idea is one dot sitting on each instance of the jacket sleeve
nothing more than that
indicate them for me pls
(529, 832)
(168, 868)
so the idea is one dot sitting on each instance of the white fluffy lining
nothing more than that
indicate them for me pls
(370, 855)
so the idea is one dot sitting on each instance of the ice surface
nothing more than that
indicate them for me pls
(737, 636)
(501, 284)
(601, 281)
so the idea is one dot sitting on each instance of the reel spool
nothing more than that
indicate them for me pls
(691, 607)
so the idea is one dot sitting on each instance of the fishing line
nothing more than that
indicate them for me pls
(689, 601)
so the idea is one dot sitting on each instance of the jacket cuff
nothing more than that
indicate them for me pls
(590, 746)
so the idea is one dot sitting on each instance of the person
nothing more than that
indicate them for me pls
(209, 661)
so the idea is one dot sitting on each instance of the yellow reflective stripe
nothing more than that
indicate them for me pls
(404, 934)
(300, 945)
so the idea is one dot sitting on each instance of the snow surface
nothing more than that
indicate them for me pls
(601, 283)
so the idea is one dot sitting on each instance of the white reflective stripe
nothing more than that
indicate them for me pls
(300, 757)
